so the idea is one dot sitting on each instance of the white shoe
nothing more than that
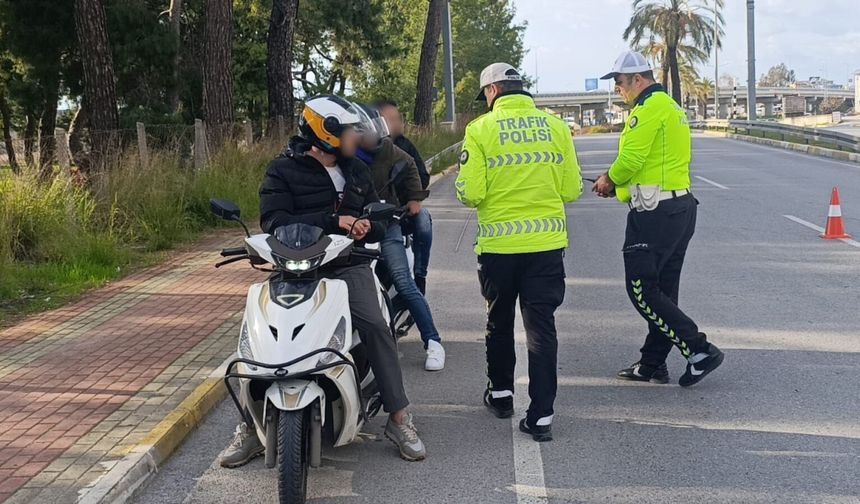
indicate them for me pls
(435, 356)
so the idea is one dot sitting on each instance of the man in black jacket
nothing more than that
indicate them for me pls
(318, 182)
(420, 225)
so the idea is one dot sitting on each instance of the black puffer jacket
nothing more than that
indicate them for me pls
(298, 189)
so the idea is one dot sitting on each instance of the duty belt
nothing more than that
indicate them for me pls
(553, 225)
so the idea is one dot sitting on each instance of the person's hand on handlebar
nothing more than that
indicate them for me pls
(412, 208)
(358, 228)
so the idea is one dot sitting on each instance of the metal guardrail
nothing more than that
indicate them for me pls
(842, 141)
(441, 153)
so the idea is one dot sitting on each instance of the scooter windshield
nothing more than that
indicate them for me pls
(298, 236)
(298, 248)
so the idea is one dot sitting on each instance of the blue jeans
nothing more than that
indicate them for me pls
(394, 258)
(421, 227)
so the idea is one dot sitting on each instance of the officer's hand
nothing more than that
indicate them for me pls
(413, 207)
(604, 187)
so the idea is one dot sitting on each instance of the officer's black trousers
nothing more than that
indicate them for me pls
(537, 279)
(654, 249)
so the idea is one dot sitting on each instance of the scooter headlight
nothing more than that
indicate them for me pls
(245, 351)
(302, 266)
(337, 342)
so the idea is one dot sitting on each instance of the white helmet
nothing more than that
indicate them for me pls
(325, 118)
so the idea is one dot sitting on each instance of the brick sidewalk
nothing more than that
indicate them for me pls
(80, 386)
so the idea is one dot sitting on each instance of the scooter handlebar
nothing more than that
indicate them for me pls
(234, 251)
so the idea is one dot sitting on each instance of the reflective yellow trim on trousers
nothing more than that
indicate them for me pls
(658, 321)
(553, 225)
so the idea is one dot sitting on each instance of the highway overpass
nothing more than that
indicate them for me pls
(568, 103)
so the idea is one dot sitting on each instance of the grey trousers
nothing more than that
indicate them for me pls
(380, 344)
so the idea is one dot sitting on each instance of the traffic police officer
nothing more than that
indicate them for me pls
(518, 168)
(652, 175)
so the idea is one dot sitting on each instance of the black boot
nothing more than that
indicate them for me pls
(644, 373)
(502, 407)
(539, 433)
(695, 372)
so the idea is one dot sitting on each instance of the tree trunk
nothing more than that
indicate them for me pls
(282, 25)
(77, 149)
(175, 18)
(30, 133)
(427, 64)
(99, 80)
(664, 68)
(47, 125)
(676, 74)
(6, 116)
(217, 68)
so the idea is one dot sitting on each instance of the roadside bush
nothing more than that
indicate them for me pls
(58, 237)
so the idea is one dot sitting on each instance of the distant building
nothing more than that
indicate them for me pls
(815, 82)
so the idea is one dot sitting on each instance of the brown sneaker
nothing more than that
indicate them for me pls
(405, 436)
(245, 447)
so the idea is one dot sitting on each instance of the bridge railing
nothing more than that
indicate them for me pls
(784, 132)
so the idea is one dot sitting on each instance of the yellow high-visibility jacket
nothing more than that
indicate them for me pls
(655, 147)
(518, 168)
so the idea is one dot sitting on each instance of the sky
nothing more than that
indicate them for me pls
(571, 40)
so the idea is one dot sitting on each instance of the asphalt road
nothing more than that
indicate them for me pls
(778, 422)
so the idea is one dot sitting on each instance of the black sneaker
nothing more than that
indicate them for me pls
(643, 373)
(502, 407)
(695, 372)
(540, 433)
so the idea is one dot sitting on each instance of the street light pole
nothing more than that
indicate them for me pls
(716, 62)
(751, 103)
(448, 75)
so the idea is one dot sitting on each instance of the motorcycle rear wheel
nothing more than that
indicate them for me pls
(293, 456)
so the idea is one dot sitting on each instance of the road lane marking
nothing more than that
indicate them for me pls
(709, 181)
(530, 486)
(820, 229)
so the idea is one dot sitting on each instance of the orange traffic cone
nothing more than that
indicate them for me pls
(835, 225)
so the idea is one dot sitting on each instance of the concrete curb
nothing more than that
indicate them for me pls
(803, 148)
(143, 460)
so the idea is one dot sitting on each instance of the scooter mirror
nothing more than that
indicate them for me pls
(379, 211)
(227, 210)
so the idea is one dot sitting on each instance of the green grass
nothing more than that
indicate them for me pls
(59, 239)
(431, 141)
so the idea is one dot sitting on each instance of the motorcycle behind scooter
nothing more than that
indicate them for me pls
(301, 371)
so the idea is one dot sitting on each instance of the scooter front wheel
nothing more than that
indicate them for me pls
(293, 455)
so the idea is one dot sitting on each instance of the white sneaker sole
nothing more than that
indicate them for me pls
(403, 455)
(433, 368)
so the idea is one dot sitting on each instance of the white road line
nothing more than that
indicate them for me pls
(820, 229)
(528, 464)
(709, 181)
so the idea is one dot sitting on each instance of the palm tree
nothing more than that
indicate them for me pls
(674, 23)
(655, 51)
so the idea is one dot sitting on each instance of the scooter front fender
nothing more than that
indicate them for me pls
(294, 395)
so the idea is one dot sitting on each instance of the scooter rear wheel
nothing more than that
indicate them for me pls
(293, 456)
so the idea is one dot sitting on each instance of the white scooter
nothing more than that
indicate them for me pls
(301, 368)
